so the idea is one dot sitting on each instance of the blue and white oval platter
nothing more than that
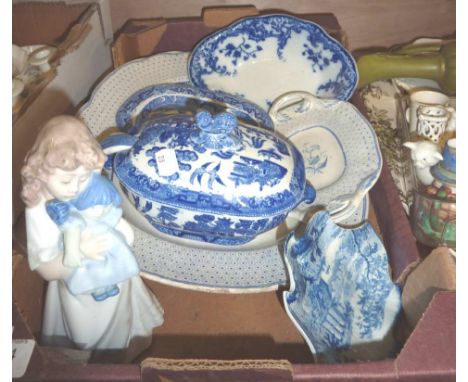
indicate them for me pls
(262, 57)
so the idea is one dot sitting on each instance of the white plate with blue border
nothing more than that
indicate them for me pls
(339, 145)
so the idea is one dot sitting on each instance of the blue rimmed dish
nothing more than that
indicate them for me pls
(262, 57)
(340, 148)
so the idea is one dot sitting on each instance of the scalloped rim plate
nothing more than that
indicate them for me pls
(262, 57)
(164, 261)
(99, 112)
(353, 132)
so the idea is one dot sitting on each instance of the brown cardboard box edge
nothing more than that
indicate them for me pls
(429, 353)
(140, 38)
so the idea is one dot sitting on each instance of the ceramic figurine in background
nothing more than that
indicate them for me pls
(65, 161)
(96, 208)
(432, 121)
(424, 154)
(452, 123)
(433, 216)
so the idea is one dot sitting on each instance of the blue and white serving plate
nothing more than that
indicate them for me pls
(262, 57)
(182, 98)
(339, 146)
(218, 271)
(341, 296)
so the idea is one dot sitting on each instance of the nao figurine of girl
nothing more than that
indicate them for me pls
(63, 163)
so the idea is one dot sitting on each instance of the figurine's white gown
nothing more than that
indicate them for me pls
(123, 321)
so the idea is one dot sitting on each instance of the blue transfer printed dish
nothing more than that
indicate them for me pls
(339, 146)
(211, 179)
(262, 57)
(177, 98)
(341, 297)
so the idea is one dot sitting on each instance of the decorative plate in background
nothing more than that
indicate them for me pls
(262, 57)
(381, 100)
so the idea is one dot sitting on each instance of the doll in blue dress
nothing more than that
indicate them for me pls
(96, 208)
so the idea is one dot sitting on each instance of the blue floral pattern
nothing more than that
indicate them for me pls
(205, 227)
(315, 159)
(231, 182)
(341, 293)
(224, 52)
(175, 133)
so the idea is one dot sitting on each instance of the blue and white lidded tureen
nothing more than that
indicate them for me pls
(209, 178)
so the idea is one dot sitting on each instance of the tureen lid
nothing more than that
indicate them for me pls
(213, 164)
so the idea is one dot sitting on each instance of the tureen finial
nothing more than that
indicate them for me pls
(222, 123)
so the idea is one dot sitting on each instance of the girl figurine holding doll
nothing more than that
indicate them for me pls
(61, 174)
(98, 209)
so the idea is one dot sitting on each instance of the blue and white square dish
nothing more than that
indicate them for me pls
(339, 146)
(341, 296)
(262, 57)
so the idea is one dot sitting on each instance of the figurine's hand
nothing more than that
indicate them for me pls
(94, 246)
(126, 229)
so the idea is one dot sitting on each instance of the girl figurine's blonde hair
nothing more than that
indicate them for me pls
(63, 143)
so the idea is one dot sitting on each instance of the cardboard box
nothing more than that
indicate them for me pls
(213, 337)
(83, 56)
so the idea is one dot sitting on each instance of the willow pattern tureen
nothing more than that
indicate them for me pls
(209, 178)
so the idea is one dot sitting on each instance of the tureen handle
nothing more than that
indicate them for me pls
(117, 142)
(307, 198)
(302, 101)
(303, 207)
(309, 194)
